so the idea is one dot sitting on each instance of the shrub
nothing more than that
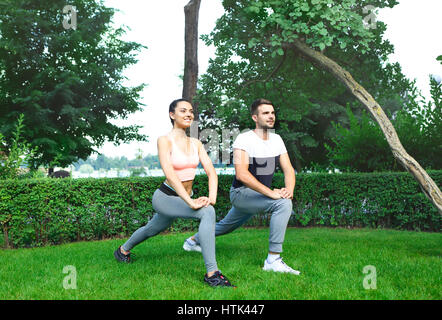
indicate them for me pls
(38, 212)
(15, 154)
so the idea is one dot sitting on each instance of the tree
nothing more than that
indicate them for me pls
(190, 79)
(19, 154)
(67, 81)
(307, 99)
(363, 147)
(309, 30)
(138, 170)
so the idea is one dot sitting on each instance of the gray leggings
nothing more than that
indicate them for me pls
(168, 208)
(246, 203)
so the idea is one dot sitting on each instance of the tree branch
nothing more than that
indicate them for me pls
(429, 188)
(275, 70)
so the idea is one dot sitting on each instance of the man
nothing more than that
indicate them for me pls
(256, 154)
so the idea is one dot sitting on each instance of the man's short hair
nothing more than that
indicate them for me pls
(257, 103)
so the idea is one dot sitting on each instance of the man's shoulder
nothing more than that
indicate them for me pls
(274, 135)
(246, 134)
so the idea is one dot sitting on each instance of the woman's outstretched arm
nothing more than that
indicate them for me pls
(206, 162)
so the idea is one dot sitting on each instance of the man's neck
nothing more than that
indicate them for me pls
(262, 133)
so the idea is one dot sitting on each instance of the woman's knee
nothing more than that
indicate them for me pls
(208, 213)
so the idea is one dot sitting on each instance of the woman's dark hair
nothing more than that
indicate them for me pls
(174, 104)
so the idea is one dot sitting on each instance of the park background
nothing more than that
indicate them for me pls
(353, 199)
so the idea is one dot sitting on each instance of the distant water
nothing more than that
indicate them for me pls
(149, 173)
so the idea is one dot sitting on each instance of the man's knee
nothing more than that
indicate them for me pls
(286, 203)
(284, 206)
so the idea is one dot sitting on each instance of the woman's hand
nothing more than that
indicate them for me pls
(196, 204)
(193, 204)
(204, 201)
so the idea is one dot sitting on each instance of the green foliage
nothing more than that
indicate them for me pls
(358, 148)
(15, 154)
(381, 200)
(68, 83)
(34, 174)
(363, 147)
(254, 59)
(138, 171)
(53, 211)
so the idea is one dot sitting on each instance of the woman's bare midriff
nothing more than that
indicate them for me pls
(187, 185)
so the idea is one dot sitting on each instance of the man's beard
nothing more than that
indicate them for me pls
(265, 126)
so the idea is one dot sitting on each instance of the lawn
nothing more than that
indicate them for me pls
(407, 264)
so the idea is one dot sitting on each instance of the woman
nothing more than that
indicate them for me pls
(179, 156)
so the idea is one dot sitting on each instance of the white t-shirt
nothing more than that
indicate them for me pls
(263, 155)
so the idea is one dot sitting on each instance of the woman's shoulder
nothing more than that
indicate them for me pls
(196, 142)
(164, 140)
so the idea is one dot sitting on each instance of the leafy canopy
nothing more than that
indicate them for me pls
(319, 23)
(253, 59)
(67, 82)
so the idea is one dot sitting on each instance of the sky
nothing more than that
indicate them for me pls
(411, 27)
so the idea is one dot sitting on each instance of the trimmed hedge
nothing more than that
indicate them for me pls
(52, 211)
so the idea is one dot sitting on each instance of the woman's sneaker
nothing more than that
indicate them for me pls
(279, 266)
(121, 257)
(190, 245)
(218, 280)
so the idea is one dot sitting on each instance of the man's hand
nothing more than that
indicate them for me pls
(275, 194)
(286, 193)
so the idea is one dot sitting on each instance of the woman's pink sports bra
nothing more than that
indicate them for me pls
(184, 165)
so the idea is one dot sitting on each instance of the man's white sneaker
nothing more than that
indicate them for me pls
(279, 266)
(190, 245)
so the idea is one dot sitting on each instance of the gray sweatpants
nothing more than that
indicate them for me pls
(246, 203)
(168, 208)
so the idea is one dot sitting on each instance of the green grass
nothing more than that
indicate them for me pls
(408, 266)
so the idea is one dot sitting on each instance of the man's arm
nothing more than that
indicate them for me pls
(242, 173)
(289, 176)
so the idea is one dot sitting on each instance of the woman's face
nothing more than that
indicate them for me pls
(183, 115)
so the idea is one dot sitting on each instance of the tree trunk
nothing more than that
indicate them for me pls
(191, 12)
(427, 185)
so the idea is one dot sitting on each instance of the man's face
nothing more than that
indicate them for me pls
(265, 118)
